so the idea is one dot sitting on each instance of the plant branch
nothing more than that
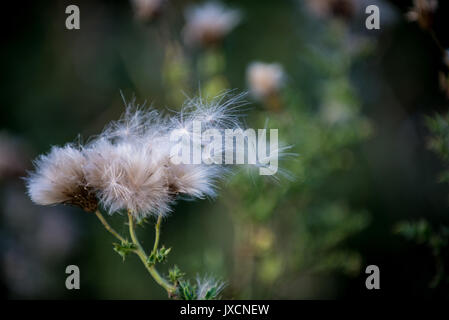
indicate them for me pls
(143, 257)
(108, 227)
(157, 234)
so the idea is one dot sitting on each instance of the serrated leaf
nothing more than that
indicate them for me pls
(186, 290)
(124, 248)
(175, 274)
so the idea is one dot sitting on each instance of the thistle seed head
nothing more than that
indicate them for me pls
(128, 166)
(59, 178)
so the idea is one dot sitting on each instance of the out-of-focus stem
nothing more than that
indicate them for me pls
(143, 257)
(437, 41)
(108, 227)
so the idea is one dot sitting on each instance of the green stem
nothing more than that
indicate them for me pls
(157, 234)
(143, 257)
(108, 227)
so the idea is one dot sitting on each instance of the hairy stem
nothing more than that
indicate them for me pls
(143, 257)
(108, 227)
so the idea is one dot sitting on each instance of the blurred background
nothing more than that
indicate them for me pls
(363, 109)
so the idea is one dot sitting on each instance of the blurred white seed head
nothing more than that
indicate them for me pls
(207, 24)
(333, 8)
(147, 10)
(265, 79)
(59, 178)
(422, 12)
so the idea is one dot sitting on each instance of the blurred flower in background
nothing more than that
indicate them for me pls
(422, 12)
(35, 243)
(265, 80)
(147, 10)
(337, 8)
(208, 23)
(13, 156)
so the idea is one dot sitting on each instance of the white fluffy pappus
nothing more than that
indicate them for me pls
(127, 176)
(134, 124)
(128, 166)
(59, 178)
(224, 111)
(197, 181)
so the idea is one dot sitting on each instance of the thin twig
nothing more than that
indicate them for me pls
(108, 227)
(143, 257)
(157, 234)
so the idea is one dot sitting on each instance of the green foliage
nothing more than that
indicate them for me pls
(159, 256)
(212, 293)
(439, 138)
(186, 291)
(438, 141)
(206, 289)
(124, 248)
(436, 239)
(175, 274)
(308, 212)
(418, 231)
(142, 222)
(421, 232)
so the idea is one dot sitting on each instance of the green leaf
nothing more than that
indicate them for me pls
(124, 248)
(175, 274)
(186, 291)
(211, 294)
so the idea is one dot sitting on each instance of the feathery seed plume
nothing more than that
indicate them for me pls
(59, 178)
(128, 166)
